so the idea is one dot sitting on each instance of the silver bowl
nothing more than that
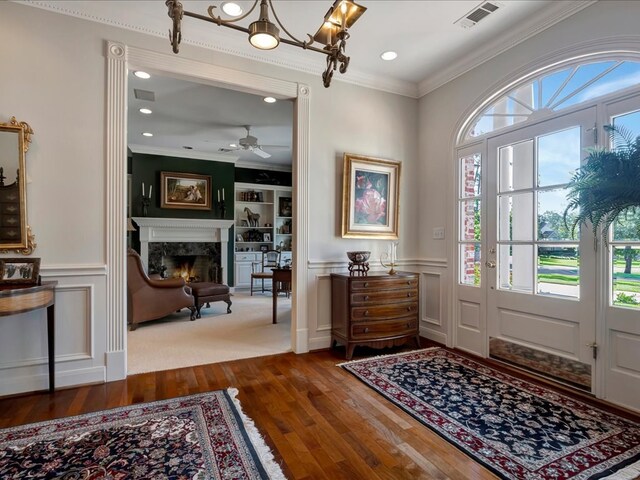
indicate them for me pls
(359, 256)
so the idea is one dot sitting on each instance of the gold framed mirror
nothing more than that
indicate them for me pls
(15, 233)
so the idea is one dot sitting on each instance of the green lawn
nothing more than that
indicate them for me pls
(558, 261)
(622, 286)
(558, 278)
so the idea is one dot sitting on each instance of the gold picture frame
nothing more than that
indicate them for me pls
(185, 191)
(370, 197)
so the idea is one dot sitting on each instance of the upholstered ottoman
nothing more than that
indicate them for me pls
(206, 292)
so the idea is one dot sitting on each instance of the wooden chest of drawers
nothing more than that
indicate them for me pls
(378, 310)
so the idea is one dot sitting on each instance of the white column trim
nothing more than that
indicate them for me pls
(116, 212)
(299, 304)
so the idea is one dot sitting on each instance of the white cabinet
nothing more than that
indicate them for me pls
(243, 270)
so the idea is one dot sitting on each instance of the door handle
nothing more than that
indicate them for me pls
(490, 264)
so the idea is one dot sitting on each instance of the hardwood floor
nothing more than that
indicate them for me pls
(320, 421)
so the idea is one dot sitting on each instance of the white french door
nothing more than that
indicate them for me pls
(526, 290)
(621, 295)
(541, 279)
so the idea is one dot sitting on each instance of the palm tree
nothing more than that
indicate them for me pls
(607, 185)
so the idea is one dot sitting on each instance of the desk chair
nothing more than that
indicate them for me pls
(262, 270)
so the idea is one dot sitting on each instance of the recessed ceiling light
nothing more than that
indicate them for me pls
(232, 9)
(147, 134)
(141, 74)
(390, 55)
(233, 145)
(269, 99)
(146, 111)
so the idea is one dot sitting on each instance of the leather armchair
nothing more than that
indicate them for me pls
(150, 299)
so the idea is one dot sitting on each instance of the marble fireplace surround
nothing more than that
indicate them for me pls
(184, 230)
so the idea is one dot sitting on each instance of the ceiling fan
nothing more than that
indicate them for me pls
(250, 143)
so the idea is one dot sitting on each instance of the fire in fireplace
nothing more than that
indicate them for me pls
(193, 268)
(193, 261)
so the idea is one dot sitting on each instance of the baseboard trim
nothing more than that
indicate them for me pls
(302, 344)
(67, 378)
(433, 335)
(320, 343)
(116, 365)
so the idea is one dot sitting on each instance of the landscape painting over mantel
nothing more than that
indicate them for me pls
(370, 197)
(185, 191)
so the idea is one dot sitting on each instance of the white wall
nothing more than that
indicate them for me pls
(594, 28)
(54, 78)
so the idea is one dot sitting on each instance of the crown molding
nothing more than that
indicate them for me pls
(182, 153)
(557, 12)
(263, 166)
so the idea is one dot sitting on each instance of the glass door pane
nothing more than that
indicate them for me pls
(625, 254)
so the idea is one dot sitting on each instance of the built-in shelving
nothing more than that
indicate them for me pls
(273, 230)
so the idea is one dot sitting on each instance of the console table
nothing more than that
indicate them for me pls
(377, 310)
(16, 299)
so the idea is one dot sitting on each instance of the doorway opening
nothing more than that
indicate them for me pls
(211, 121)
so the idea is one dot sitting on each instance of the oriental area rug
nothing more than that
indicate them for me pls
(515, 428)
(199, 437)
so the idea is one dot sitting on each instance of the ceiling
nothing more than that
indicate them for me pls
(207, 118)
(432, 50)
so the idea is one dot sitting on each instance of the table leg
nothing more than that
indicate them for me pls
(274, 291)
(51, 346)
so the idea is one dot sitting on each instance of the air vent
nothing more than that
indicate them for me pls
(474, 16)
(144, 95)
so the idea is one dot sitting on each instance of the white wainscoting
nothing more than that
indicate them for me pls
(433, 298)
(79, 334)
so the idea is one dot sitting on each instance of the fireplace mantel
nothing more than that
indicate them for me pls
(183, 230)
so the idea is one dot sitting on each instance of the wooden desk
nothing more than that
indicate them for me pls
(16, 299)
(279, 275)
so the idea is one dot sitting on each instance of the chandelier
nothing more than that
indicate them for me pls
(265, 35)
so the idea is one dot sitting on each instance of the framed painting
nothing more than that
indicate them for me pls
(370, 197)
(19, 270)
(285, 207)
(185, 191)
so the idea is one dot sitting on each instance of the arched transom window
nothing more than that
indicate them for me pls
(555, 91)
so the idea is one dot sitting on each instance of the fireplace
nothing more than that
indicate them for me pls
(195, 262)
(162, 238)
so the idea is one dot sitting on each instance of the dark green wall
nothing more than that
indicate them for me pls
(265, 177)
(146, 168)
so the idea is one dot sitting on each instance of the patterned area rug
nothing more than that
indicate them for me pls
(199, 437)
(515, 428)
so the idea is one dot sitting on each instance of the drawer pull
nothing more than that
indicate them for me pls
(366, 284)
(366, 330)
(408, 283)
(366, 313)
(409, 309)
(408, 295)
(366, 297)
(408, 325)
